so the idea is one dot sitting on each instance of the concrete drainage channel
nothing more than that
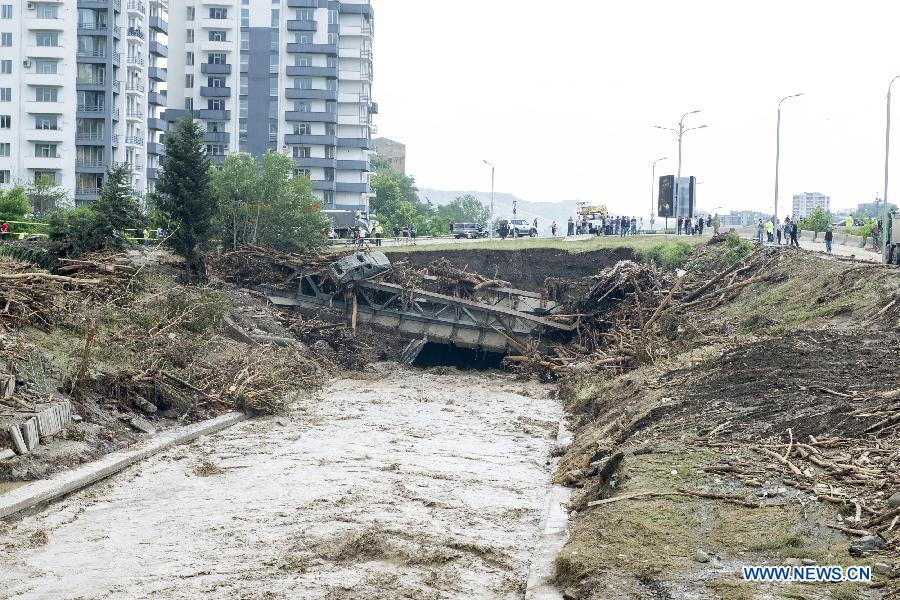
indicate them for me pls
(44, 491)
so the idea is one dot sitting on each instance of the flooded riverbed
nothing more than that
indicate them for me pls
(393, 484)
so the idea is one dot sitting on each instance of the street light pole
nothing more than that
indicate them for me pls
(652, 185)
(491, 224)
(887, 155)
(778, 148)
(680, 133)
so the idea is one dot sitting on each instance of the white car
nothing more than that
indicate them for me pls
(521, 227)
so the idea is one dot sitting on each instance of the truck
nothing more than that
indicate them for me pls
(591, 218)
(344, 221)
(891, 236)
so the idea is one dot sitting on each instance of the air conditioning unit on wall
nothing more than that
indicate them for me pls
(30, 5)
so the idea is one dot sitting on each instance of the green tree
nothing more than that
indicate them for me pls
(466, 209)
(116, 209)
(14, 204)
(817, 220)
(184, 199)
(236, 187)
(396, 200)
(45, 196)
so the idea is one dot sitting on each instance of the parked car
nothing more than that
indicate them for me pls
(469, 231)
(519, 227)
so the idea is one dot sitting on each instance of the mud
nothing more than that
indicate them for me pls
(392, 484)
(525, 269)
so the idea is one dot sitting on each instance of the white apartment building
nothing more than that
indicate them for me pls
(806, 202)
(288, 75)
(75, 87)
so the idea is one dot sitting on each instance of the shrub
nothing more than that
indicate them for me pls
(672, 254)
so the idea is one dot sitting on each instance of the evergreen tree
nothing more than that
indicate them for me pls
(184, 195)
(116, 208)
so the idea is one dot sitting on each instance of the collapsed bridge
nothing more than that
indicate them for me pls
(493, 318)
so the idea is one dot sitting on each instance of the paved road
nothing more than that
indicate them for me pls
(394, 484)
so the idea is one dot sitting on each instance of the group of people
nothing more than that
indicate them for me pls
(695, 226)
(773, 231)
(622, 226)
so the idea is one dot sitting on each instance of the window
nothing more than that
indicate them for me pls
(188, 80)
(303, 38)
(273, 130)
(5, 66)
(4, 177)
(244, 85)
(276, 16)
(5, 39)
(6, 13)
(303, 83)
(331, 84)
(215, 149)
(330, 129)
(215, 104)
(189, 13)
(333, 17)
(273, 39)
(332, 38)
(4, 149)
(215, 126)
(5, 94)
(329, 174)
(306, 14)
(245, 17)
(188, 104)
(218, 13)
(329, 151)
(304, 172)
(189, 58)
(245, 61)
(245, 44)
(302, 151)
(273, 109)
(243, 108)
(218, 36)
(47, 38)
(302, 106)
(302, 129)
(45, 67)
(45, 150)
(216, 82)
(330, 107)
(45, 94)
(189, 36)
(303, 60)
(216, 58)
(273, 86)
(49, 122)
(332, 62)
(47, 11)
(45, 177)
(328, 197)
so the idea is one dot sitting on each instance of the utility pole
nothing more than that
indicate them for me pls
(652, 195)
(491, 224)
(778, 148)
(887, 155)
(680, 131)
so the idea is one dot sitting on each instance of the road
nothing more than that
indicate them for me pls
(392, 484)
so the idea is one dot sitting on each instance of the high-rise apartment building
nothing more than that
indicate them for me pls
(806, 202)
(287, 75)
(392, 151)
(76, 83)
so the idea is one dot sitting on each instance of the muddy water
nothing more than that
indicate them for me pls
(398, 484)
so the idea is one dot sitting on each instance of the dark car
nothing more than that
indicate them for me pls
(469, 230)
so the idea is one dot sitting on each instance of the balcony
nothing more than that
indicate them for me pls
(92, 164)
(363, 143)
(137, 168)
(101, 53)
(134, 140)
(135, 61)
(92, 28)
(134, 114)
(211, 69)
(157, 24)
(353, 165)
(217, 137)
(329, 72)
(330, 49)
(134, 86)
(90, 137)
(322, 163)
(134, 32)
(91, 109)
(311, 117)
(358, 9)
(136, 7)
(301, 94)
(208, 114)
(55, 79)
(157, 124)
(44, 135)
(153, 173)
(303, 4)
(294, 25)
(157, 98)
(86, 193)
(157, 74)
(215, 92)
(158, 48)
(156, 148)
(117, 86)
(343, 186)
(310, 140)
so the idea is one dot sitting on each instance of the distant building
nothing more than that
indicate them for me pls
(806, 202)
(742, 218)
(393, 152)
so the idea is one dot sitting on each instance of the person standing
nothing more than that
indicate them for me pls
(700, 226)
(678, 230)
(4, 230)
(535, 223)
(716, 223)
(553, 229)
(570, 231)
(412, 234)
(770, 231)
(396, 233)
(875, 233)
(760, 228)
(795, 234)
(633, 226)
(379, 232)
(829, 236)
(641, 225)
(778, 230)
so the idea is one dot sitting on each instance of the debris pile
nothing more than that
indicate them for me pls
(254, 265)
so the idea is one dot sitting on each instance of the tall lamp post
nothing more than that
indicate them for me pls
(680, 133)
(778, 147)
(652, 187)
(491, 224)
(887, 155)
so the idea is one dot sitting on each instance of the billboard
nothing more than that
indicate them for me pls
(686, 200)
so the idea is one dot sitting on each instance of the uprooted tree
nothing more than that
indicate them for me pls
(184, 199)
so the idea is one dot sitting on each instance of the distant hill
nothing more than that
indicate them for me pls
(546, 212)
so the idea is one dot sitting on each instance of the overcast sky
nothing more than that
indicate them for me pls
(563, 97)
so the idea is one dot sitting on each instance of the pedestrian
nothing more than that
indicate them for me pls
(687, 226)
(716, 223)
(760, 228)
(708, 221)
(412, 234)
(700, 226)
(633, 226)
(357, 240)
(795, 234)
(678, 232)
(396, 233)
(570, 229)
(778, 230)
(405, 235)
(553, 229)
(875, 233)
(146, 237)
(535, 224)
(829, 236)
(379, 233)
(641, 225)
(626, 225)
(770, 231)
(4, 230)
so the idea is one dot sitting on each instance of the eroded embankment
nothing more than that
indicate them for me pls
(390, 484)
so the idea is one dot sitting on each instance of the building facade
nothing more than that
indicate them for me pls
(289, 75)
(75, 86)
(806, 202)
(393, 152)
